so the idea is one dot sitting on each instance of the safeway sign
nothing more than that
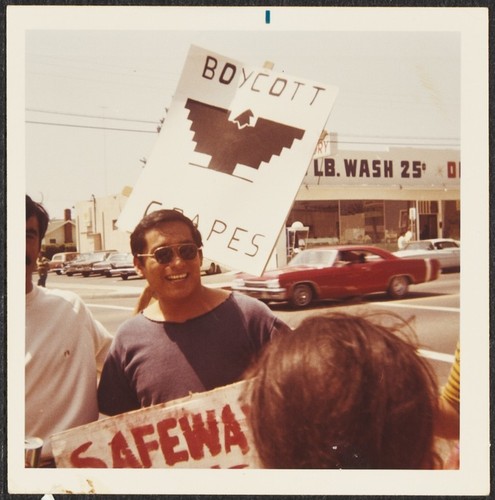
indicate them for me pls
(233, 151)
(207, 430)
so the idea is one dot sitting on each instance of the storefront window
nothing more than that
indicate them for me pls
(428, 219)
(352, 221)
(374, 228)
(321, 217)
(376, 222)
(362, 221)
(452, 220)
(396, 220)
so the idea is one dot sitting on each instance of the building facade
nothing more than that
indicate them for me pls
(96, 221)
(346, 196)
(60, 235)
(60, 232)
(372, 196)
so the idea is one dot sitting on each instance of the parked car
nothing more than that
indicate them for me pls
(60, 259)
(124, 268)
(114, 262)
(84, 264)
(210, 267)
(71, 266)
(125, 272)
(445, 250)
(336, 273)
(207, 267)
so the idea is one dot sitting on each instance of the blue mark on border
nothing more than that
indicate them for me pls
(267, 16)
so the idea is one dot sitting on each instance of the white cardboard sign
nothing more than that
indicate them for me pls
(206, 430)
(234, 148)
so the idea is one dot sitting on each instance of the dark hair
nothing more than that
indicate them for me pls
(342, 392)
(150, 221)
(36, 209)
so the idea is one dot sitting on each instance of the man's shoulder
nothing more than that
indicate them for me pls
(58, 295)
(57, 300)
(137, 323)
(257, 315)
(136, 332)
(250, 304)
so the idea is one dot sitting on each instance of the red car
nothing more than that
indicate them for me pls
(338, 272)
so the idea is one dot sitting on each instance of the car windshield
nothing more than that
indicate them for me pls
(120, 257)
(84, 256)
(317, 258)
(440, 245)
(93, 257)
(419, 245)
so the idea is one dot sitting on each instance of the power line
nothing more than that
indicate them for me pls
(402, 137)
(366, 142)
(91, 127)
(88, 116)
(369, 143)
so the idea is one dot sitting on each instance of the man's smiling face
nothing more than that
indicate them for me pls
(180, 278)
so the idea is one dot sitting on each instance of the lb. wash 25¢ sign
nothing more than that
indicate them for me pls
(234, 148)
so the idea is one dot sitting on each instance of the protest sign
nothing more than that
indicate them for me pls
(206, 430)
(233, 150)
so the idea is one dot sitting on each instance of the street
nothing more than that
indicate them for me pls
(433, 308)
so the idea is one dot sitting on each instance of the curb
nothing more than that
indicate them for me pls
(134, 293)
(116, 295)
(88, 292)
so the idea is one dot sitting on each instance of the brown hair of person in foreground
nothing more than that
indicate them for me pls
(343, 392)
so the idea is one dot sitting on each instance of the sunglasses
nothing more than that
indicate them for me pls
(164, 255)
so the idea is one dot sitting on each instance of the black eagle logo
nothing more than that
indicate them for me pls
(230, 143)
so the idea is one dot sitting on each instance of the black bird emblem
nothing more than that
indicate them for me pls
(230, 143)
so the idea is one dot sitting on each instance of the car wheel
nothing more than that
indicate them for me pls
(302, 295)
(398, 287)
(58, 272)
(69, 274)
(85, 275)
(124, 276)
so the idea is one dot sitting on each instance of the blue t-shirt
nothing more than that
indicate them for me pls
(152, 362)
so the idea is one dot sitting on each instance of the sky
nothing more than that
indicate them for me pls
(93, 98)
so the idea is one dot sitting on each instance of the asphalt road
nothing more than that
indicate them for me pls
(433, 308)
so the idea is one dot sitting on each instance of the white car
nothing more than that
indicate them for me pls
(60, 259)
(208, 267)
(446, 250)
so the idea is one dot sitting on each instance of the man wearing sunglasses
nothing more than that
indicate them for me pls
(192, 338)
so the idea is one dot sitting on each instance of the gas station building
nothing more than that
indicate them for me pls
(356, 197)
